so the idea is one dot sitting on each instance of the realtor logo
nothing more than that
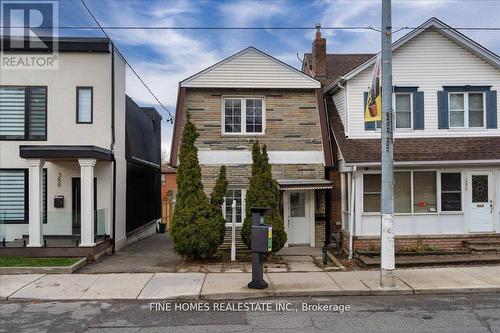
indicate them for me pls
(28, 34)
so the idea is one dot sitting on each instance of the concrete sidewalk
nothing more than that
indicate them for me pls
(224, 286)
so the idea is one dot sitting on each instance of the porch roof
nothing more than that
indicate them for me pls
(64, 152)
(304, 184)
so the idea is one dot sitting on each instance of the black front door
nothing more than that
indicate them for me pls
(76, 192)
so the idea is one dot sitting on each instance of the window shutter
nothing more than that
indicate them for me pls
(491, 109)
(443, 110)
(371, 125)
(418, 110)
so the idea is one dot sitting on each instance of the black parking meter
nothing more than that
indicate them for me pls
(262, 244)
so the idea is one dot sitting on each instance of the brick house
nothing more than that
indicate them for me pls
(447, 139)
(253, 96)
(168, 191)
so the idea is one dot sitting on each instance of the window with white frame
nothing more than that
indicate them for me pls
(239, 196)
(466, 109)
(371, 192)
(402, 192)
(451, 192)
(416, 192)
(424, 192)
(403, 107)
(243, 115)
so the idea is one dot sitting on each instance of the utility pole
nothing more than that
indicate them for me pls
(387, 262)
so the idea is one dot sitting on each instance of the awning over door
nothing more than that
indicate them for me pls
(304, 184)
(65, 152)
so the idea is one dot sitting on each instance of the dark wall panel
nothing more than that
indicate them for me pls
(143, 195)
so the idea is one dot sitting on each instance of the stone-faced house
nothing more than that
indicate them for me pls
(253, 96)
(447, 139)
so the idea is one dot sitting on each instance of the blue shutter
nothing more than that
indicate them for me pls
(418, 110)
(491, 109)
(443, 109)
(371, 125)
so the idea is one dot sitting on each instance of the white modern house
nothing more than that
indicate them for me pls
(447, 140)
(71, 155)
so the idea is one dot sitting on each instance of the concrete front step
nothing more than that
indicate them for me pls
(434, 260)
(482, 242)
(485, 248)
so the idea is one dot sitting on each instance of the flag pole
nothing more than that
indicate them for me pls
(387, 256)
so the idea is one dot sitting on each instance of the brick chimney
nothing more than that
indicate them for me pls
(319, 55)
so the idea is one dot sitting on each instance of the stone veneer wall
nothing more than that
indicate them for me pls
(292, 123)
(292, 119)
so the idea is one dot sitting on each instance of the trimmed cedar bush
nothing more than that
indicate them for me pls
(217, 199)
(263, 192)
(195, 231)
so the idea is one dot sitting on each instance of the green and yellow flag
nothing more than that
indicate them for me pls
(373, 110)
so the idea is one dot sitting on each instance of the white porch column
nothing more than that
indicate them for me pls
(87, 201)
(35, 179)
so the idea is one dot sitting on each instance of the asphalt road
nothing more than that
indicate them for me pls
(457, 313)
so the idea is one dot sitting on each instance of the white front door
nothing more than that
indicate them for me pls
(298, 218)
(481, 201)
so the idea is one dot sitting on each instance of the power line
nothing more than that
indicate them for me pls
(128, 64)
(70, 27)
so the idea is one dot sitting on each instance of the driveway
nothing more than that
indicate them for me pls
(149, 255)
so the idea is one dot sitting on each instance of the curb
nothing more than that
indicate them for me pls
(44, 270)
(269, 294)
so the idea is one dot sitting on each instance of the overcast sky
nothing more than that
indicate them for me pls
(163, 58)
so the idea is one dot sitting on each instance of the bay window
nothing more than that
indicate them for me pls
(243, 115)
(23, 113)
(466, 109)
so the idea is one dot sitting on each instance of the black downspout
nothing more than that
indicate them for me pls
(328, 224)
(113, 141)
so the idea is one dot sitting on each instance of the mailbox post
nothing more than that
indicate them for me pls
(262, 243)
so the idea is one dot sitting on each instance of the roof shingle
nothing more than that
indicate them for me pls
(340, 64)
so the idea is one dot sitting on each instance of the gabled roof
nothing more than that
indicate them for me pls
(339, 64)
(250, 68)
(443, 29)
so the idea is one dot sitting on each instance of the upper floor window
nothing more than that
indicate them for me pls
(23, 113)
(243, 115)
(84, 105)
(408, 109)
(466, 109)
(403, 108)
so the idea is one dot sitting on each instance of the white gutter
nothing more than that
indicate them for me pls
(351, 209)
